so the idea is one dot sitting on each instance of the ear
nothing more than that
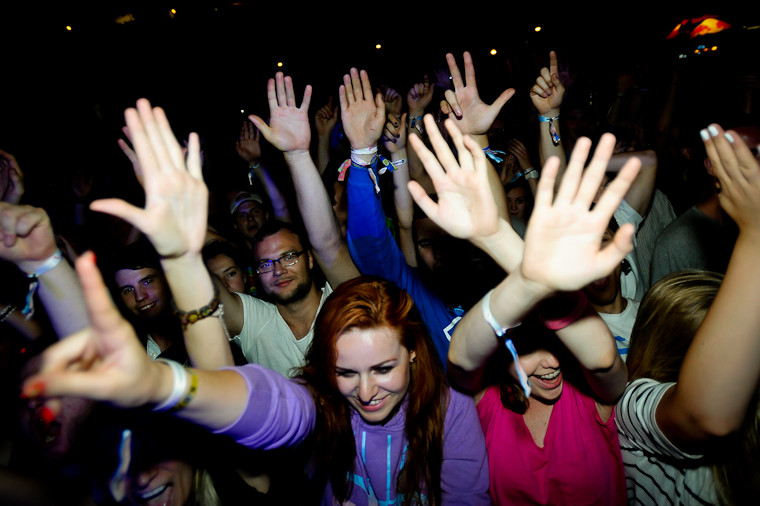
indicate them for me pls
(311, 259)
(412, 356)
(708, 166)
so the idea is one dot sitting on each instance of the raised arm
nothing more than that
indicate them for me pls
(248, 147)
(418, 99)
(474, 117)
(562, 254)
(641, 192)
(11, 179)
(27, 241)
(721, 371)
(175, 219)
(325, 121)
(290, 132)
(547, 94)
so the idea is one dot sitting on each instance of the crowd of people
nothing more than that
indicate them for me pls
(400, 297)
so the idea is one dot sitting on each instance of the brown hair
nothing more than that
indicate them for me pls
(363, 303)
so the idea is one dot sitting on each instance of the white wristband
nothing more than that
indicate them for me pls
(180, 385)
(490, 320)
(49, 264)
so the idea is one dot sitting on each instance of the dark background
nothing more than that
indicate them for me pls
(64, 92)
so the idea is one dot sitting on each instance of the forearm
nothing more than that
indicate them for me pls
(323, 153)
(219, 400)
(279, 203)
(548, 148)
(192, 288)
(474, 340)
(591, 343)
(404, 205)
(319, 218)
(505, 247)
(720, 371)
(61, 295)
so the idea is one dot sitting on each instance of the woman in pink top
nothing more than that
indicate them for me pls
(549, 441)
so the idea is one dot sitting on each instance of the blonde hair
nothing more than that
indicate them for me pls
(668, 319)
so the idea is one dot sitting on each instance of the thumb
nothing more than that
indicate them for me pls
(262, 126)
(503, 99)
(122, 209)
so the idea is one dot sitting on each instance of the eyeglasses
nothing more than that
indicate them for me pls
(285, 260)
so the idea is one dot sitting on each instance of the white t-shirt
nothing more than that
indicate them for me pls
(621, 326)
(631, 283)
(656, 471)
(266, 338)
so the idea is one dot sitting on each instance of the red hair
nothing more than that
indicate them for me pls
(363, 303)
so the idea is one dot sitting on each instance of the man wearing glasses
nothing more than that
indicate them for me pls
(276, 332)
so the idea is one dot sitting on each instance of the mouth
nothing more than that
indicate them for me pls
(148, 307)
(601, 284)
(373, 405)
(160, 495)
(549, 381)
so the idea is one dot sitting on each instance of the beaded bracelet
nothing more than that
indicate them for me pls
(190, 317)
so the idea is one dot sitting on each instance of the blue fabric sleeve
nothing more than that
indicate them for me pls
(375, 251)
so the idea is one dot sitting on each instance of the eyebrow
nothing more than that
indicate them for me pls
(379, 365)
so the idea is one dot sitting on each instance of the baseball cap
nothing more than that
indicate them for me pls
(242, 197)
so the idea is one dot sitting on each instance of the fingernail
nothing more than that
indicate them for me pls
(713, 130)
(703, 133)
(34, 390)
(729, 137)
(47, 415)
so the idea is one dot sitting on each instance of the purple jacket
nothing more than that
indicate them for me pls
(281, 412)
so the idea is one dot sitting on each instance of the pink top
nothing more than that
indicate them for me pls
(580, 462)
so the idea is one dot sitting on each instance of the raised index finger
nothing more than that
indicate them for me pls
(456, 77)
(553, 66)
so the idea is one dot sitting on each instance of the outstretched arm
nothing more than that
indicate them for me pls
(640, 195)
(175, 221)
(290, 132)
(720, 372)
(562, 254)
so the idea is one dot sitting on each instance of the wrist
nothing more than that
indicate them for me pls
(296, 155)
(51, 257)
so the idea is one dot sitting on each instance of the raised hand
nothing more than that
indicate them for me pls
(520, 152)
(465, 207)
(738, 173)
(463, 103)
(248, 145)
(11, 179)
(102, 362)
(26, 236)
(548, 91)
(176, 199)
(394, 133)
(419, 96)
(563, 239)
(288, 128)
(326, 119)
(392, 99)
(363, 115)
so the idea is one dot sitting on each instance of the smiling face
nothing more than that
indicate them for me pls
(544, 375)
(372, 371)
(168, 482)
(143, 291)
(284, 285)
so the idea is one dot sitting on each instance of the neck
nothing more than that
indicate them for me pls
(300, 314)
(711, 207)
(617, 306)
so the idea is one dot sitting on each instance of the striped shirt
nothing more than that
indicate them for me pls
(656, 471)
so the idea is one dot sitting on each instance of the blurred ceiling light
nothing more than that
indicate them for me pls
(695, 27)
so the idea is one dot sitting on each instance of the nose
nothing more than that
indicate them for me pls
(548, 360)
(279, 269)
(513, 206)
(140, 293)
(367, 389)
(144, 476)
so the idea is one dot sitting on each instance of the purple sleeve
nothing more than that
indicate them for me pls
(279, 412)
(464, 472)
